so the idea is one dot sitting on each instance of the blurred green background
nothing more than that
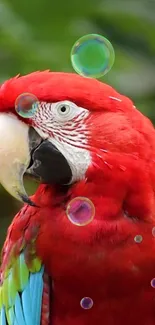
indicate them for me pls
(37, 35)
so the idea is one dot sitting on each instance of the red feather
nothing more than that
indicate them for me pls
(58, 86)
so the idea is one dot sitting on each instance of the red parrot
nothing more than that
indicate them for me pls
(82, 249)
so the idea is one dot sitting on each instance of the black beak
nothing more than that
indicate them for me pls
(47, 162)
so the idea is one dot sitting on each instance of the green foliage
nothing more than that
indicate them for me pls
(36, 35)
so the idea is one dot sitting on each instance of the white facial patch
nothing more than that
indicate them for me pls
(64, 124)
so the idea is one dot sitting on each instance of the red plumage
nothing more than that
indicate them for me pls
(54, 86)
(101, 260)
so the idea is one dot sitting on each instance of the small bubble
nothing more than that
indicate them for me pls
(153, 283)
(138, 239)
(153, 231)
(86, 303)
(92, 56)
(80, 211)
(26, 105)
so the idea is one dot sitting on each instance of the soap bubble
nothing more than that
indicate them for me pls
(92, 56)
(138, 239)
(153, 283)
(86, 303)
(153, 231)
(80, 211)
(26, 105)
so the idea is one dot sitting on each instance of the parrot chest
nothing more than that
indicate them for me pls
(113, 274)
(85, 297)
(118, 294)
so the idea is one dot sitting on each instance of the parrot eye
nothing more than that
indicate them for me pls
(63, 109)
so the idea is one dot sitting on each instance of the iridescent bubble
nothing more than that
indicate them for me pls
(138, 239)
(86, 303)
(153, 283)
(80, 211)
(153, 231)
(92, 56)
(26, 105)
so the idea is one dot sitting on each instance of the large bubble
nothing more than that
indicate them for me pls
(92, 56)
(80, 211)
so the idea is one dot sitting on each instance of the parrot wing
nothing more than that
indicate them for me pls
(23, 287)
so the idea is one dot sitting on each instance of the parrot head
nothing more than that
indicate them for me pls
(81, 131)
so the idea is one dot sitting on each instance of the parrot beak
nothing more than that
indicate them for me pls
(15, 155)
(23, 151)
(49, 165)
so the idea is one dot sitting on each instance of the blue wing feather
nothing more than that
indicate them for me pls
(36, 286)
(19, 311)
(15, 322)
(2, 317)
(26, 302)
